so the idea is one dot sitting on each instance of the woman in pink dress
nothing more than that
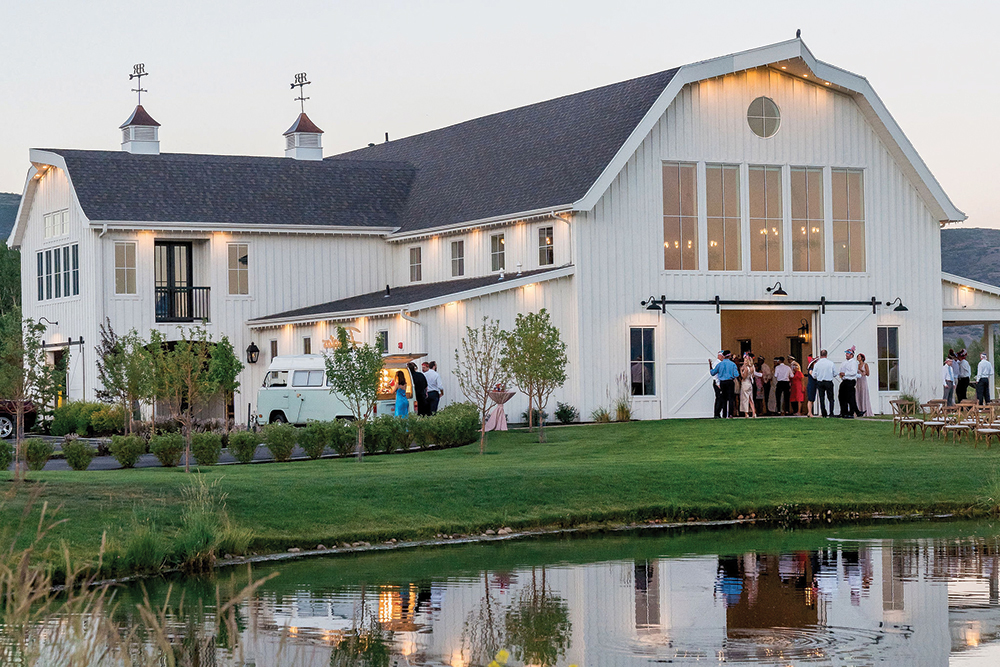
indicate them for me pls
(861, 393)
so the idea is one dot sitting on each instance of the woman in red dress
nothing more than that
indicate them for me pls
(798, 392)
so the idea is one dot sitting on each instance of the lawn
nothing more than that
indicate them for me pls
(665, 469)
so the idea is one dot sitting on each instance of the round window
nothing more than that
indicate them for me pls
(763, 117)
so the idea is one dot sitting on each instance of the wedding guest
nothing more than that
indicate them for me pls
(984, 375)
(863, 396)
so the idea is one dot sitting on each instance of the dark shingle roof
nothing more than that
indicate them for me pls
(402, 296)
(533, 157)
(177, 187)
(303, 124)
(139, 117)
(8, 213)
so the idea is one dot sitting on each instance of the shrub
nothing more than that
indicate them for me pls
(313, 438)
(600, 415)
(74, 417)
(421, 430)
(566, 413)
(280, 440)
(456, 425)
(387, 434)
(167, 448)
(166, 425)
(537, 417)
(206, 448)
(243, 445)
(342, 438)
(6, 454)
(107, 420)
(78, 454)
(127, 449)
(37, 453)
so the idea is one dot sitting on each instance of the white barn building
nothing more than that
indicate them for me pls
(701, 186)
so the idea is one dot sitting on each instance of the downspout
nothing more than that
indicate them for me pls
(408, 318)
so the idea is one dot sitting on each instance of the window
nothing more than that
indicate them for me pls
(723, 190)
(125, 267)
(765, 219)
(56, 223)
(415, 264)
(680, 217)
(276, 378)
(546, 256)
(457, 258)
(497, 246)
(274, 349)
(642, 368)
(308, 378)
(888, 358)
(848, 220)
(807, 219)
(58, 272)
(382, 339)
(763, 117)
(307, 345)
(239, 268)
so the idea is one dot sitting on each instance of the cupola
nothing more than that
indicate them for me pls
(141, 134)
(304, 140)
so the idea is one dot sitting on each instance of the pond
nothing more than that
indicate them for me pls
(921, 593)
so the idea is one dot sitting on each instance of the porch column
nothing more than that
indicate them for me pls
(988, 334)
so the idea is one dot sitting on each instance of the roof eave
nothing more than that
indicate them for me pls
(153, 225)
(507, 218)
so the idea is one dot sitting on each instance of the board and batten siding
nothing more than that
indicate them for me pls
(619, 243)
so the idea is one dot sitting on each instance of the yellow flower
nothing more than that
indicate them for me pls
(503, 656)
(493, 663)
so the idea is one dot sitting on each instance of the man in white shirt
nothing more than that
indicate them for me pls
(435, 390)
(984, 375)
(963, 376)
(848, 385)
(823, 372)
(948, 381)
(782, 386)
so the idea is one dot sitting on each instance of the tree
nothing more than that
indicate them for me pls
(479, 368)
(10, 279)
(224, 368)
(354, 372)
(538, 625)
(23, 370)
(183, 380)
(536, 359)
(125, 371)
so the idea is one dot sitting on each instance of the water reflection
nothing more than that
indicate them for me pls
(850, 601)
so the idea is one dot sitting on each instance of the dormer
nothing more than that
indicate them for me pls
(141, 134)
(304, 140)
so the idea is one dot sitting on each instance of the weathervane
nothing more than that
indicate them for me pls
(300, 81)
(138, 71)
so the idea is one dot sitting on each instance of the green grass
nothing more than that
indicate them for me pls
(584, 474)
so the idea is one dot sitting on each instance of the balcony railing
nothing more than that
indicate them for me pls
(182, 304)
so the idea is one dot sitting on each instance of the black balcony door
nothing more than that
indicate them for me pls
(173, 281)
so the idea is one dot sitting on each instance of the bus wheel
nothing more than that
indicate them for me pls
(278, 418)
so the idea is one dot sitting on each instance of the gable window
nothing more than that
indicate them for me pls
(848, 220)
(124, 267)
(497, 248)
(58, 272)
(56, 223)
(763, 117)
(546, 254)
(807, 219)
(382, 341)
(888, 358)
(765, 219)
(680, 217)
(723, 191)
(239, 268)
(415, 272)
(307, 345)
(457, 258)
(642, 367)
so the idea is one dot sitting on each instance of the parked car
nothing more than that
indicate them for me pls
(296, 390)
(8, 418)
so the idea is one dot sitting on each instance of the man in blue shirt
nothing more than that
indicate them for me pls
(725, 372)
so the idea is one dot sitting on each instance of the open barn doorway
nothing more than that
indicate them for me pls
(768, 334)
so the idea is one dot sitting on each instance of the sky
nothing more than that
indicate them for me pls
(219, 72)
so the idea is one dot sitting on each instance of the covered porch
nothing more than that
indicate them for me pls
(970, 313)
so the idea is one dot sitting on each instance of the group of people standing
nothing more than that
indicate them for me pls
(746, 389)
(956, 376)
(427, 389)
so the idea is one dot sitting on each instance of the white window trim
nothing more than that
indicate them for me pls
(124, 296)
(63, 213)
(539, 246)
(453, 259)
(249, 295)
(57, 276)
(502, 253)
(419, 264)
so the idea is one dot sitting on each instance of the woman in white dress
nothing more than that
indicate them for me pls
(862, 395)
(747, 374)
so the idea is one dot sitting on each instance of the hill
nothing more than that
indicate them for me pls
(972, 253)
(8, 211)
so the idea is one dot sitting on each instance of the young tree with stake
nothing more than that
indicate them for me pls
(124, 371)
(354, 372)
(479, 368)
(23, 370)
(224, 368)
(536, 359)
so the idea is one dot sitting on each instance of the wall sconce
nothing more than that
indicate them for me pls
(652, 303)
(48, 321)
(775, 290)
(804, 331)
(898, 309)
(253, 353)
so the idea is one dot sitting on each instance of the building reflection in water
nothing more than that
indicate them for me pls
(854, 602)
